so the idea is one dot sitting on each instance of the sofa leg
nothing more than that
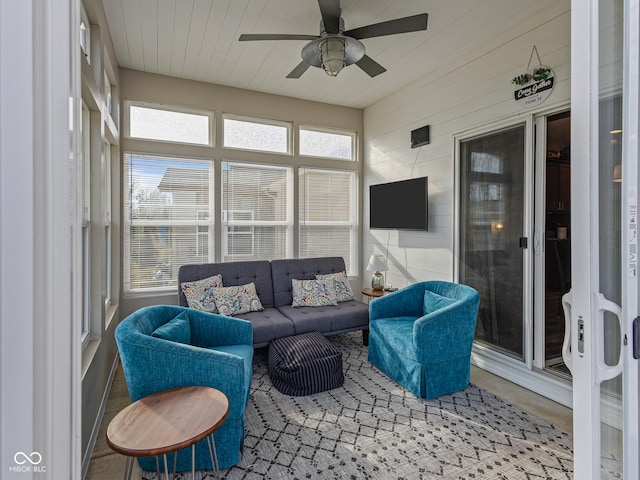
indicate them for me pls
(365, 337)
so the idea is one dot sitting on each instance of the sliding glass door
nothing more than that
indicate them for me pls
(604, 296)
(491, 242)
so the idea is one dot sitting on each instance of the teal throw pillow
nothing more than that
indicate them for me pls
(433, 302)
(177, 330)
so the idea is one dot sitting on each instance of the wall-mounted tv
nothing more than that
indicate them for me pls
(399, 205)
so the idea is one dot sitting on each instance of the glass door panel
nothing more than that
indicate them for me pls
(492, 199)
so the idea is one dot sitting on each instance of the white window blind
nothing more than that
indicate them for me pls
(257, 215)
(327, 215)
(168, 218)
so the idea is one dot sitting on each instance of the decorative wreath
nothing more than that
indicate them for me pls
(540, 73)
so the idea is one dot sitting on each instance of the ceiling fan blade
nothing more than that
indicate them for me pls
(399, 25)
(370, 66)
(299, 70)
(247, 37)
(330, 10)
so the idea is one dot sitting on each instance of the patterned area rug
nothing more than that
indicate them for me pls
(374, 429)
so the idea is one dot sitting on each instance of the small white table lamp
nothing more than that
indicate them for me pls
(377, 263)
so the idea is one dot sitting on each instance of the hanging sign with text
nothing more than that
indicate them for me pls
(534, 87)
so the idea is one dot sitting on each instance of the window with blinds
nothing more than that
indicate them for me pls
(327, 215)
(168, 210)
(256, 212)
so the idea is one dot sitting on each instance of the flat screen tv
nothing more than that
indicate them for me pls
(399, 205)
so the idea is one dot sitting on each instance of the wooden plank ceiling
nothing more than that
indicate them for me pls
(198, 39)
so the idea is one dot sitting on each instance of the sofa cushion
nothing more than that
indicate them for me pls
(200, 293)
(268, 325)
(177, 330)
(284, 271)
(332, 319)
(343, 287)
(433, 302)
(232, 301)
(313, 293)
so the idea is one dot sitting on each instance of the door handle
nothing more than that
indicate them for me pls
(607, 372)
(566, 343)
(537, 243)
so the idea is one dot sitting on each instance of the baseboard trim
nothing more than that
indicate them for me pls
(86, 460)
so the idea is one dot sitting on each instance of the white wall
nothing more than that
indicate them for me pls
(472, 91)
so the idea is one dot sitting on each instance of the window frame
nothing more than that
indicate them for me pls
(108, 230)
(85, 225)
(169, 108)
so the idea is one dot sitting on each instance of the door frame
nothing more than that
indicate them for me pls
(518, 371)
(539, 243)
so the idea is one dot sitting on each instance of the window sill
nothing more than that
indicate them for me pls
(88, 352)
(110, 314)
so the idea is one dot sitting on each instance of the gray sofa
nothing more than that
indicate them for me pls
(273, 285)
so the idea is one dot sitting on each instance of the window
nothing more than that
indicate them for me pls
(253, 134)
(107, 93)
(85, 35)
(154, 123)
(328, 144)
(168, 219)
(327, 215)
(106, 175)
(86, 219)
(257, 216)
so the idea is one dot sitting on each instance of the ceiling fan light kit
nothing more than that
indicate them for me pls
(335, 47)
(332, 53)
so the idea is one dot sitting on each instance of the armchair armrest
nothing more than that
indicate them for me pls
(446, 333)
(214, 330)
(152, 365)
(408, 301)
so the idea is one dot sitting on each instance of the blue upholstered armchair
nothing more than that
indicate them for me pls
(190, 347)
(421, 336)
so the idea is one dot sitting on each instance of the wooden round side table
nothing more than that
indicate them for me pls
(370, 292)
(166, 422)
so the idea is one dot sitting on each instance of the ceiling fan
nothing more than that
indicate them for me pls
(335, 47)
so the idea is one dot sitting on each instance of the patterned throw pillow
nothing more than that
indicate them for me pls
(200, 294)
(343, 287)
(236, 300)
(313, 293)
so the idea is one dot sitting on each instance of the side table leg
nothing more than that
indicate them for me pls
(193, 461)
(213, 455)
(128, 468)
(166, 468)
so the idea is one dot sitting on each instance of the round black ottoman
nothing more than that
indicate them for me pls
(305, 364)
